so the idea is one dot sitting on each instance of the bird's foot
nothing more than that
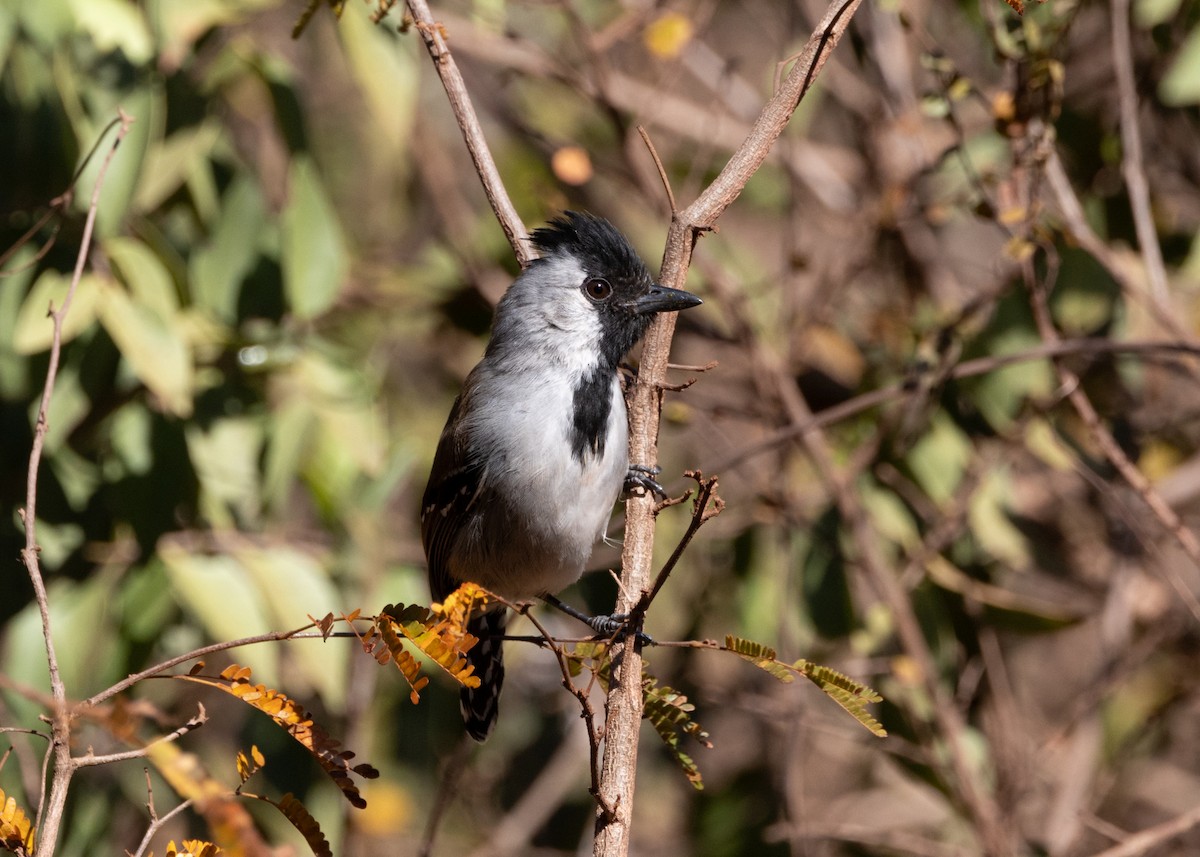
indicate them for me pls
(642, 476)
(616, 626)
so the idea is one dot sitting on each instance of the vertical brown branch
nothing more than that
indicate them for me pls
(624, 704)
(50, 813)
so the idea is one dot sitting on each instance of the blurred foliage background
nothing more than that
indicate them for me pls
(295, 267)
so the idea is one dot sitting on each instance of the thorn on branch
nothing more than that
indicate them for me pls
(676, 388)
(667, 502)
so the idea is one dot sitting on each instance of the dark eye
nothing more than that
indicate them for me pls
(597, 288)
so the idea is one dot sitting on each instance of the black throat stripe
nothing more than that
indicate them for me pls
(591, 410)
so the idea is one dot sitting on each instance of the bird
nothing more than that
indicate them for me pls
(534, 455)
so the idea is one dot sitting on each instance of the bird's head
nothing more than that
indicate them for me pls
(589, 290)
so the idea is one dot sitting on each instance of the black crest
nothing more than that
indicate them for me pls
(599, 246)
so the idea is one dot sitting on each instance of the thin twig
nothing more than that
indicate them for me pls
(91, 759)
(1141, 842)
(157, 823)
(48, 823)
(1132, 162)
(272, 637)
(1109, 446)
(587, 712)
(468, 122)
(966, 369)
(702, 513)
(658, 164)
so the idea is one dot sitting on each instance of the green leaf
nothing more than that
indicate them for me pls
(313, 251)
(218, 268)
(156, 350)
(378, 60)
(225, 455)
(147, 106)
(115, 25)
(168, 162)
(293, 585)
(1181, 84)
(1151, 13)
(939, 459)
(148, 279)
(217, 590)
(35, 330)
(761, 656)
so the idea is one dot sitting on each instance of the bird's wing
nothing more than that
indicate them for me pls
(455, 483)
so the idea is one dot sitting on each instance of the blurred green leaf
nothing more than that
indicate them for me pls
(890, 516)
(115, 25)
(385, 67)
(146, 105)
(1001, 395)
(1151, 13)
(294, 586)
(940, 457)
(290, 436)
(313, 251)
(169, 161)
(990, 523)
(226, 455)
(218, 590)
(155, 348)
(218, 268)
(34, 329)
(149, 282)
(1181, 84)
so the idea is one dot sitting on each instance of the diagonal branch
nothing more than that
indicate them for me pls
(464, 111)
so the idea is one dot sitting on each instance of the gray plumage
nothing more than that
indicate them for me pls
(533, 456)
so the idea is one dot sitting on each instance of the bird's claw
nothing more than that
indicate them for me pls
(642, 476)
(616, 626)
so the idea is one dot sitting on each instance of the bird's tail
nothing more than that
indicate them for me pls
(480, 705)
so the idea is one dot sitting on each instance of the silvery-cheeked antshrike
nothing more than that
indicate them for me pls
(533, 455)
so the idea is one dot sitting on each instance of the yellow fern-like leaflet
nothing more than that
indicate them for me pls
(668, 710)
(16, 830)
(297, 722)
(192, 848)
(851, 695)
(670, 713)
(440, 633)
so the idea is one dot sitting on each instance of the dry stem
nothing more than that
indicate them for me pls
(624, 705)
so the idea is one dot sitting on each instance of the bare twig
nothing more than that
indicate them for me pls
(1140, 843)
(624, 703)
(967, 369)
(705, 507)
(587, 711)
(1109, 446)
(464, 111)
(57, 206)
(1132, 162)
(156, 824)
(658, 164)
(48, 823)
(91, 759)
(271, 637)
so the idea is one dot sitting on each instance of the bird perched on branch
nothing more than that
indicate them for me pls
(534, 453)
